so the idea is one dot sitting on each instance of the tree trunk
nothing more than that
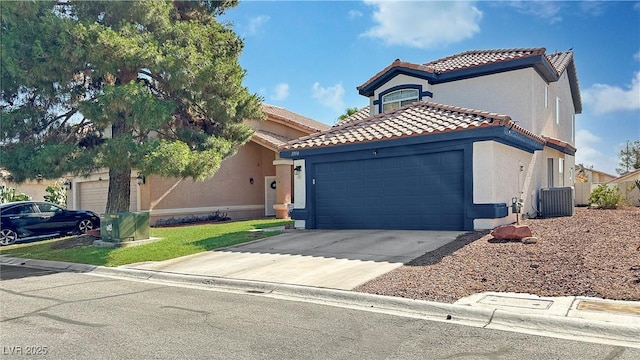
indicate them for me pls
(118, 199)
(119, 190)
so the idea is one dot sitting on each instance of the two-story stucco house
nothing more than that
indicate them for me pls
(253, 183)
(448, 144)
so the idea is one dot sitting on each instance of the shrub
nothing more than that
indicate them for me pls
(56, 193)
(9, 194)
(606, 197)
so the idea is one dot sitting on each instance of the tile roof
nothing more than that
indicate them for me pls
(269, 139)
(308, 124)
(361, 114)
(560, 60)
(476, 58)
(416, 119)
(559, 144)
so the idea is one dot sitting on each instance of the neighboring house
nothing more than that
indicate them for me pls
(34, 189)
(447, 145)
(591, 175)
(628, 188)
(254, 182)
(586, 180)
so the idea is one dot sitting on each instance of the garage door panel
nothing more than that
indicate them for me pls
(415, 192)
(93, 195)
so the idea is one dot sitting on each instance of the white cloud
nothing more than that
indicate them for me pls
(281, 92)
(354, 14)
(547, 10)
(593, 7)
(331, 97)
(255, 24)
(637, 56)
(604, 98)
(423, 24)
(589, 155)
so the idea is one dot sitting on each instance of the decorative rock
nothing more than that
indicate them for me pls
(511, 232)
(94, 233)
(530, 240)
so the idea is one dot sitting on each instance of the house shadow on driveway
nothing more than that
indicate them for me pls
(435, 256)
(394, 246)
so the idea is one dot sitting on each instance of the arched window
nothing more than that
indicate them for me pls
(399, 98)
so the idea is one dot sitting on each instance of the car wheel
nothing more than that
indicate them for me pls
(84, 226)
(8, 237)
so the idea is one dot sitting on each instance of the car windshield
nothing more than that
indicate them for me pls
(46, 207)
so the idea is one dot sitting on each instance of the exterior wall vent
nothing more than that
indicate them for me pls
(556, 202)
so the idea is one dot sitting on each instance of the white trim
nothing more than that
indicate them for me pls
(187, 211)
(300, 224)
(299, 185)
(546, 96)
(283, 162)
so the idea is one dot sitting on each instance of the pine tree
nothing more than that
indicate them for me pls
(151, 85)
(629, 157)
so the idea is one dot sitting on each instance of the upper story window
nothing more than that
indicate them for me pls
(399, 98)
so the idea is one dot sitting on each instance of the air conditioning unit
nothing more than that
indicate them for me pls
(556, 202)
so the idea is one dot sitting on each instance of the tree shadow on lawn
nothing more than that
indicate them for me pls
(230, 239)
(435, 256)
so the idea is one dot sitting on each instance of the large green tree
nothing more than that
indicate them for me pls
(148, 85)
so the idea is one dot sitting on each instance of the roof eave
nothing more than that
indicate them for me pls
(369, 87)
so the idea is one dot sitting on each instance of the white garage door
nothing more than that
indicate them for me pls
(93, 196)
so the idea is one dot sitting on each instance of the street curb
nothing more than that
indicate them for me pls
(497, 319)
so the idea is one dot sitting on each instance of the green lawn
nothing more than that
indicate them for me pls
(176, 241)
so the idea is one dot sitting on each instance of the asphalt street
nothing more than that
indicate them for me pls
(63, 315)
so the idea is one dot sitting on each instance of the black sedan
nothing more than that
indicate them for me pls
(22, 219)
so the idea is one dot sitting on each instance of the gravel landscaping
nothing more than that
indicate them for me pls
(593, 253)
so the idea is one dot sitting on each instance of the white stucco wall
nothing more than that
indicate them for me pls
(500, 173)
(509, 93)
(519, 94)
(299, 186)
(299, 190)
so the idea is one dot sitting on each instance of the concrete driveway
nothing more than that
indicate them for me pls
(339, 259)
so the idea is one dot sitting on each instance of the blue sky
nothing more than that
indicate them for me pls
(309, 56)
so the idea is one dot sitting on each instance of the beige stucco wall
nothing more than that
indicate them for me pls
(276, 128)
(630, 192)
(229, 190)
(34, 189)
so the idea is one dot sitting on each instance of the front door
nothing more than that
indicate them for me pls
(269, 195)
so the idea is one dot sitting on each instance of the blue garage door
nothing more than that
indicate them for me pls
(408, 192)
